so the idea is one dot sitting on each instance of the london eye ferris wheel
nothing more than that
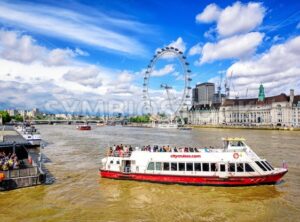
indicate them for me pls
(176, 100)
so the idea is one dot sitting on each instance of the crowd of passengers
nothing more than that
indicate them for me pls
(9, 161)
(120, 150)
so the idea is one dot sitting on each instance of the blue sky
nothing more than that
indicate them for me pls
(59, 54)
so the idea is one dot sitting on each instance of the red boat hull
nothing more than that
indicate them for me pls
(195, 180)
(84, 128)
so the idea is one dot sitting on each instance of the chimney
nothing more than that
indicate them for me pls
(291, 97)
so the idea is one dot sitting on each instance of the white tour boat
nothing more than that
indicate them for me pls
(30, 133)
(236, 164)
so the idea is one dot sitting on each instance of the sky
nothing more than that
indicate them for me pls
(83, 56)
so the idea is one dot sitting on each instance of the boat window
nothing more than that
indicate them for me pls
(111, 161)
(189, 166)
(248, 168)
(197, 166)
(181, 166)
(236, 143)
(158, 166)
(240, 167)
(265, 165)
(174, 166)
(232, 167)
(266, 162)
(222, 167)
(166, 166)
(118, 162)
(205, 167)
(213, 167)
(260, 166)
(150, 166)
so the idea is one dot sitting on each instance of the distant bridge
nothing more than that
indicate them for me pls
(75, 121)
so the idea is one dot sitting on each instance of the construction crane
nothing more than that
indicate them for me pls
(167, 88)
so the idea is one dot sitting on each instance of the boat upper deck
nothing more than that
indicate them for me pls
(231, 145)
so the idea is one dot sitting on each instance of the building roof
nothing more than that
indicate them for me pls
(206, 106)
(267, 101)
(205, 84)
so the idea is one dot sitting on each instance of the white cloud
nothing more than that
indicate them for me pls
(66, 24)
(87, 76)
(239, 46)
(59, 57)
(210, 13)
(236, 19)
(195, 50)
(179, 44)
(276, 69)
(50, 79)
(23, 48)
(167, 69)
(19, 48)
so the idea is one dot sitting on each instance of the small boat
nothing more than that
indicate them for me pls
(84, 127)
(234, 164)
(166, 125)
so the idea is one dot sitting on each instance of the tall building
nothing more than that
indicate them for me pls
(203, 94)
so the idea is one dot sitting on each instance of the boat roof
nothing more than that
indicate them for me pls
(234, 139)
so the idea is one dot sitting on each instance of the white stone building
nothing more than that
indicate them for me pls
(280, 110)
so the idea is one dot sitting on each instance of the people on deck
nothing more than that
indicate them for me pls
(126, 150)
(8, 161)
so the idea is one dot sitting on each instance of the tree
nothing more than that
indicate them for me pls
(140, 119)
(5, 116)
(18, 118)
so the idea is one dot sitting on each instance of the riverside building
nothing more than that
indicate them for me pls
(280, 110)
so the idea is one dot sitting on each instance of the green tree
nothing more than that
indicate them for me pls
(18, 118)
(140, 119)
(5, 116)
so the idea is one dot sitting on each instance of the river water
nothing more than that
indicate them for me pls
(79, 194)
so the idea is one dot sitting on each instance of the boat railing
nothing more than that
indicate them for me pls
(119, 153)
(122, 153)
(15, 173)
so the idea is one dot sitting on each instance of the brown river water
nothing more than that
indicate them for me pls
(79, 194)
